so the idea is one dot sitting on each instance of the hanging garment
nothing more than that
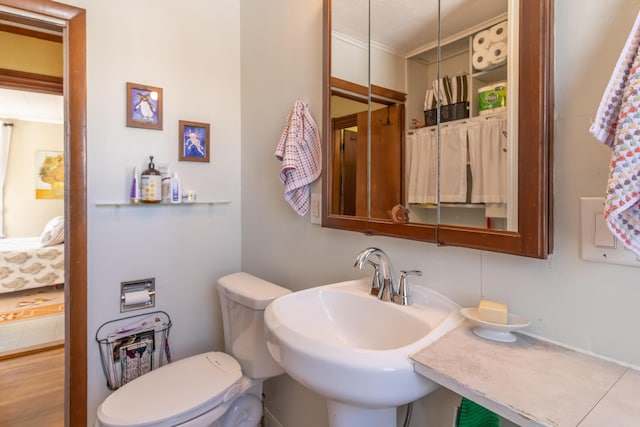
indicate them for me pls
(301, 155)
(617, 125)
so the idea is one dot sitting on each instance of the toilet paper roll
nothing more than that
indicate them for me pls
(499, 32)
(498, 53)
(137, 297)
(481, 59)
(481, 40)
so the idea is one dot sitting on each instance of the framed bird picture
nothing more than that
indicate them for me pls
(193, 142)
(144, 106)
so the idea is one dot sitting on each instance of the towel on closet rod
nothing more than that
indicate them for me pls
(453, 164)
(459, 87)
(616, 125)
(300, 152)
(488, 159)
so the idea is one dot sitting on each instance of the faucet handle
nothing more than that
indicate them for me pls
(403, 297)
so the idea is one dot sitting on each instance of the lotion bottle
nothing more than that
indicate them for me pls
(176, 189)
(150, 184)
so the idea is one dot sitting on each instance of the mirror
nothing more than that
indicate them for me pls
(380, 131)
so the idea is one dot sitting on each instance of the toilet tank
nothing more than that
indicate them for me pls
(243, 298)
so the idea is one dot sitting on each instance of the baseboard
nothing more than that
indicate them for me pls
(270, 420)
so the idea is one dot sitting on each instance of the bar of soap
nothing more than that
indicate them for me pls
(491, 311)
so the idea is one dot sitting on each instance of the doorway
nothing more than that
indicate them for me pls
(72, 22)
(31, 152)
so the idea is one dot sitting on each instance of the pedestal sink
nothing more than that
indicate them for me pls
(348, 346)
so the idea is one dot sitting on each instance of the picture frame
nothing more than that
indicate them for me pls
(144, 106)
(49, 168)
(194, 141)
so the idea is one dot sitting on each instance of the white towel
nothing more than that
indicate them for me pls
(301, 155)
(616, 124)
(488, 158)
(430, 101)
(422, 161)
(453, 164)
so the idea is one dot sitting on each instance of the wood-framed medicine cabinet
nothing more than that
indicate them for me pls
(531, 120)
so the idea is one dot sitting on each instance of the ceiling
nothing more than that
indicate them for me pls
(404, 26)
(31, 106)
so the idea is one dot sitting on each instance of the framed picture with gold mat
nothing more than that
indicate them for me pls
(49, 175)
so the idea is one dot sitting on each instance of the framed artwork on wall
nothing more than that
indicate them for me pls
(144, 106)
(49, 175)
(193, 141)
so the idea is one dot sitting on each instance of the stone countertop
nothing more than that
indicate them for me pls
(533, 382)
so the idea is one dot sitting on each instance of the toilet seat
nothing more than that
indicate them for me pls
(175, 393)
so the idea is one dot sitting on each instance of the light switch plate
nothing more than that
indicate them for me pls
(316, 208)
(596, 241)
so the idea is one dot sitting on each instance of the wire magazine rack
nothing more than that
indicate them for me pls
(133, 346)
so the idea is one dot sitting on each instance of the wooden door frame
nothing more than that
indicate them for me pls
(75, 104)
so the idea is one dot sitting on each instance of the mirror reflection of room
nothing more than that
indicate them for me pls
(462, 165)
(461, 168)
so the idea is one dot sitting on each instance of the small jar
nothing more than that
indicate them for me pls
(151, 184)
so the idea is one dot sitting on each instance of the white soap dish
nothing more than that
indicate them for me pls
(495, 331)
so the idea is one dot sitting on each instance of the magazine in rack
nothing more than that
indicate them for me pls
(133, 346)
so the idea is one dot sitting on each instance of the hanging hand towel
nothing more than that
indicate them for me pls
(301, 156)
(616, 125)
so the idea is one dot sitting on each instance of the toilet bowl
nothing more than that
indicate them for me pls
(213, 389)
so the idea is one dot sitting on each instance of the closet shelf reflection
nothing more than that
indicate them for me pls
(448, 205)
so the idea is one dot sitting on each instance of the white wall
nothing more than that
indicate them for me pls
(192, 51)
(581, 304)
(24, 215)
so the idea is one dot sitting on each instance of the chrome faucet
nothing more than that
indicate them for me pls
(382, 285)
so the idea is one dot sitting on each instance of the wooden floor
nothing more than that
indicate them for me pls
(32, 390)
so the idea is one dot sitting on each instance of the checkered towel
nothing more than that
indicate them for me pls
(617, 125)
(301, 155)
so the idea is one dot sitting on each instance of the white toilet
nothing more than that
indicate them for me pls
(210, 389)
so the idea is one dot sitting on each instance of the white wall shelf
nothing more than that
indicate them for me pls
(137, 205)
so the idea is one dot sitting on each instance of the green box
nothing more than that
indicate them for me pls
(492, 97)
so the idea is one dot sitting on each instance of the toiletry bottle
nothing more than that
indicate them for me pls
(176, 189)
(165, 178)
(150, 184)
(135, 187)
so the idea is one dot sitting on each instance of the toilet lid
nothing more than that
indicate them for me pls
(174, 393)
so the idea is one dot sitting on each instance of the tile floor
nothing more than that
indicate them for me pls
(31, 332)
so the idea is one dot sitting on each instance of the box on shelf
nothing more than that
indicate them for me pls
(492, 98)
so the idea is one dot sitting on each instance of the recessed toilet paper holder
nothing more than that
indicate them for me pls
(137, 294)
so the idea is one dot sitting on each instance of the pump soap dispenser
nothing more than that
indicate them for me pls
(151, 184)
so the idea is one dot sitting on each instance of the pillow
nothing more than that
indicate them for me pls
(53, 233)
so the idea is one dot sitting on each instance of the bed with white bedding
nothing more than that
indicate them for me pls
(33, 262)
(25, 263)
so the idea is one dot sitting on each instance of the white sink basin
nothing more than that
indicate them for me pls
(353, 349)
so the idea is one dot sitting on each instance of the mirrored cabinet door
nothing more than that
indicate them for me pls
(477, 147)
(425, 137)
